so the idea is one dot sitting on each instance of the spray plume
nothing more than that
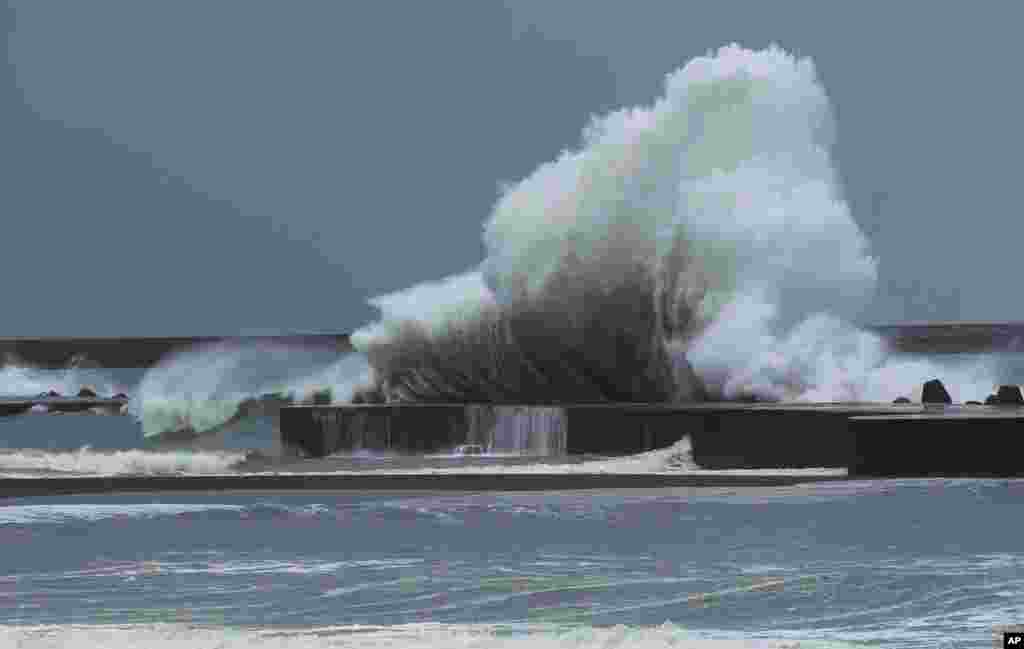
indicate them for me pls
(605, 266)
(696, 248)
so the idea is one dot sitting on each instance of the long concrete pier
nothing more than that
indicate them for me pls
(61, 404)
(952, 336)
(144, 351)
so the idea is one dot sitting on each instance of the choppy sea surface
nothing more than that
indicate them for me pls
(912, 563)
(909, 563)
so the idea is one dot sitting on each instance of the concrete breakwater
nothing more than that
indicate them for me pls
(870, 439)
(143, 351)
(723, 435)
(867, 439)
(425, 428)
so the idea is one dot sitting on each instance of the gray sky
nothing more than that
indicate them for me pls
(219, 167)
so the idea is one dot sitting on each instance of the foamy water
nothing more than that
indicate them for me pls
(86, 461)
(416, 636)
(64, 513)
(23, 381)
(674, 459)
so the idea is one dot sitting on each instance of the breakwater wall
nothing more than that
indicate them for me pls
(980, 442)
(111, 406)
(600, 429)
(144, 351)
(424, 428)
(867, 439)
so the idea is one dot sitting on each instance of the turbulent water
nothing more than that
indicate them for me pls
(909, 564)
(87, 461)
(604, 265)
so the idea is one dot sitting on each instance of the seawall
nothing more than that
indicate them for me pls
(866, 439)
(10, 407)
(144, 351)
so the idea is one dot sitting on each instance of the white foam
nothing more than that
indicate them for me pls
(723, 187)
(821, 359)
(86, 461)
(199, 390)
(411, 636)
(59, 513)
(31, 514)
(22, 381)
(671, 460)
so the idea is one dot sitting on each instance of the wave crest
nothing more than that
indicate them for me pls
(604, 265)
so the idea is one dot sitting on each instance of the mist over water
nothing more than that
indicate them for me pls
(823, 358)
(696, 248)
(201, 389)
(18, 380)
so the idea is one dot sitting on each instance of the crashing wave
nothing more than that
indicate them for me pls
(696, 248)
(605, 265)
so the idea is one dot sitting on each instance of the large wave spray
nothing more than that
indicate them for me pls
(696, 248)
(19, 380)
(606, 264)
(204, 389)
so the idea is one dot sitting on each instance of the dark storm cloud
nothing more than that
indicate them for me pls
(231, 165)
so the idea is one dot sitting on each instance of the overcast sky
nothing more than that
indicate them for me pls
(196, 167)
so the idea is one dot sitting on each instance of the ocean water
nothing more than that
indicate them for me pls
(912, 563)
(909, 563)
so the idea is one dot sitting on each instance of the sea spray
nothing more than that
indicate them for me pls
(22, 380)
(203, 389)
(821, 359)
(604, 265)
(697, 248)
